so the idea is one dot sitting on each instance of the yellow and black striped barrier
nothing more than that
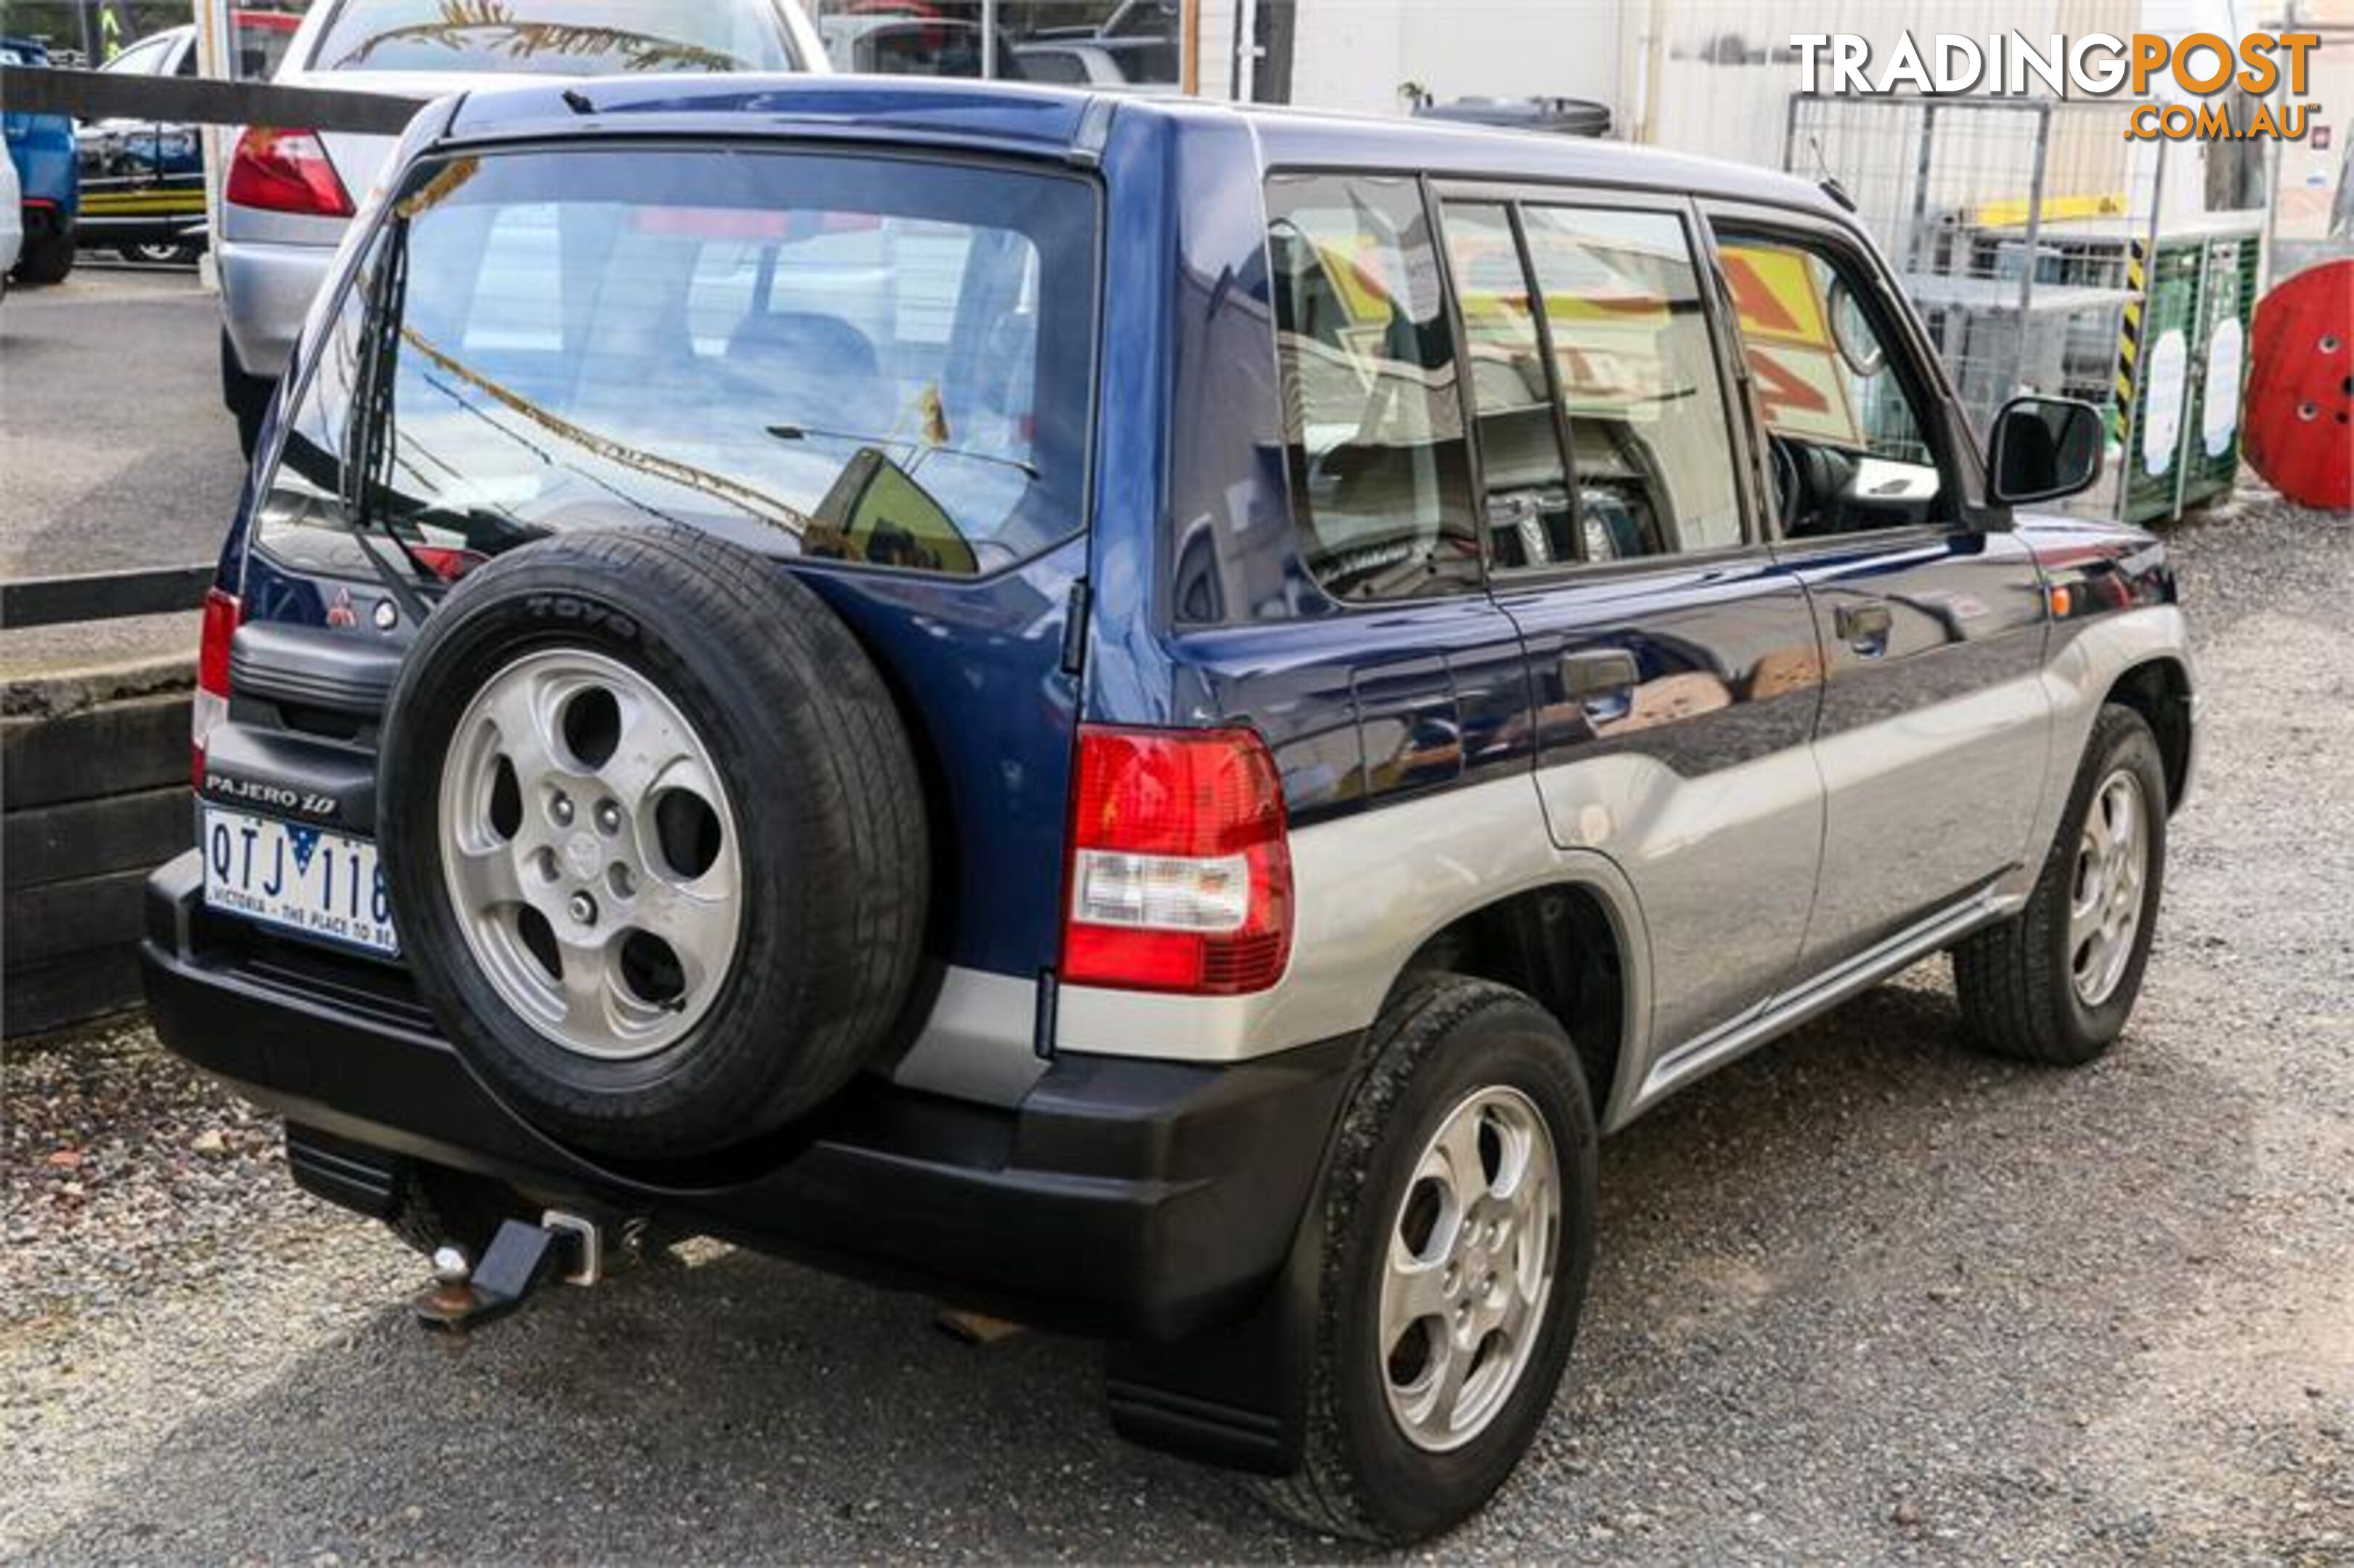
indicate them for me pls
(2129, 340)
(2129, 336)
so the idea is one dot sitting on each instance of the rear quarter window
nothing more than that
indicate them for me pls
(878, 362)
(1373, 416)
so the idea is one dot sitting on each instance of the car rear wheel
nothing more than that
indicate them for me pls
(654, 839)
(1458, 1213)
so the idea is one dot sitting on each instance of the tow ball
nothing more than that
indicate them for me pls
(521, 1258)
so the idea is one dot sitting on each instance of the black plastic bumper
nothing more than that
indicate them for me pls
(1131, 1200)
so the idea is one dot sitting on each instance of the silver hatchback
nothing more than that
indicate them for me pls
(291, 191)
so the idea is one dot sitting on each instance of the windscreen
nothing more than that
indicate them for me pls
(556, 38)
(881, 361)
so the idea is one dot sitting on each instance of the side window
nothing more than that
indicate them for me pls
(1371, 413)
(1849, 448)
(1530, 521)
(1653, 448)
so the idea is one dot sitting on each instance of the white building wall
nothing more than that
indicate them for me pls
(1357, 54)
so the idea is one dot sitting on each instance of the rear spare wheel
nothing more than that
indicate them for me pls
(654, 839)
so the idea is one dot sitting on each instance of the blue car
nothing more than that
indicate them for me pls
(1144, 716)
(41, 147)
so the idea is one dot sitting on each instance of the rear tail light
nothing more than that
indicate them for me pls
(1181, 865)
(286, 171)
(211, 703)
(448, 562)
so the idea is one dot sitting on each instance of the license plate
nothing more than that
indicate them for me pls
(297, 878)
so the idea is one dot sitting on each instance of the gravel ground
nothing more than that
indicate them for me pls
(1862, 1296)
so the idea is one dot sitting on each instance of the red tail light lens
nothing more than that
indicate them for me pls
(286, 171)
(211, 705)
(1179, 863)
(446, 562)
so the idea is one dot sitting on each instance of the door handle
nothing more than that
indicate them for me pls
(1599, 677)
(1864, 626)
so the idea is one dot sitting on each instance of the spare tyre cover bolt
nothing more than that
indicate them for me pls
(584, 908)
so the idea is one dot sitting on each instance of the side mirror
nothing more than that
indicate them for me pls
(2044, 449)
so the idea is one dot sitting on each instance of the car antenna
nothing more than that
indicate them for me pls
(579, 102)
(1828, 184)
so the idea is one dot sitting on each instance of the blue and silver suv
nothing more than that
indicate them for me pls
(1144, 716)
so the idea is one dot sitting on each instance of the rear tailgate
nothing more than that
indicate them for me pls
(877, 371)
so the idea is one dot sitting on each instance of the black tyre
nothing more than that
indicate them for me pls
(440, 1206)
(654, 839)
(2056, 983)
(161, 253)
(247, 397)
(1472, 1094)
(45, 258)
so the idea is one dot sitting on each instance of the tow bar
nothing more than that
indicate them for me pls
(521, 1258)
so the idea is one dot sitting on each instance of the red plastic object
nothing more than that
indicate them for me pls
(2301, 388)
(1192, 796)
(286, 171)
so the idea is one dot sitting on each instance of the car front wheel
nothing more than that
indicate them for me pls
(1457, 1218)
(2056, 983)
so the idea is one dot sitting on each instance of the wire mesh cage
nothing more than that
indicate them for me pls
(2018, 225)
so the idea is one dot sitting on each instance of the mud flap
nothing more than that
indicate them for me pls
(1236, 1396)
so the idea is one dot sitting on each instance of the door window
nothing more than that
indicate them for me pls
(1372, 414)
(1851, 451)
(1530, 521)
(1653, 450)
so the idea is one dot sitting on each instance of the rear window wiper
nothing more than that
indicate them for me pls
(792, 432)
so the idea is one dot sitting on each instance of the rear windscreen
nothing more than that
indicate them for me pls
(555, 38)
(881, 361)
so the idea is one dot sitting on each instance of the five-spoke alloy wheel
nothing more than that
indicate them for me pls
(2105, 903)
(1455, 1229)
(2056, 983)
(590, 850)
(654, 839)
(1470, 1265)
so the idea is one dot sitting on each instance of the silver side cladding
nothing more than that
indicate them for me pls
(979, 1043)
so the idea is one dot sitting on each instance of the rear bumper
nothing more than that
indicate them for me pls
(266, 287)
(1127, 1199)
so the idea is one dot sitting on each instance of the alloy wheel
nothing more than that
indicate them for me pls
(591, 854)
(1471, 1258)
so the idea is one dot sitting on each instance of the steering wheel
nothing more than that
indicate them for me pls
(1789, 493)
